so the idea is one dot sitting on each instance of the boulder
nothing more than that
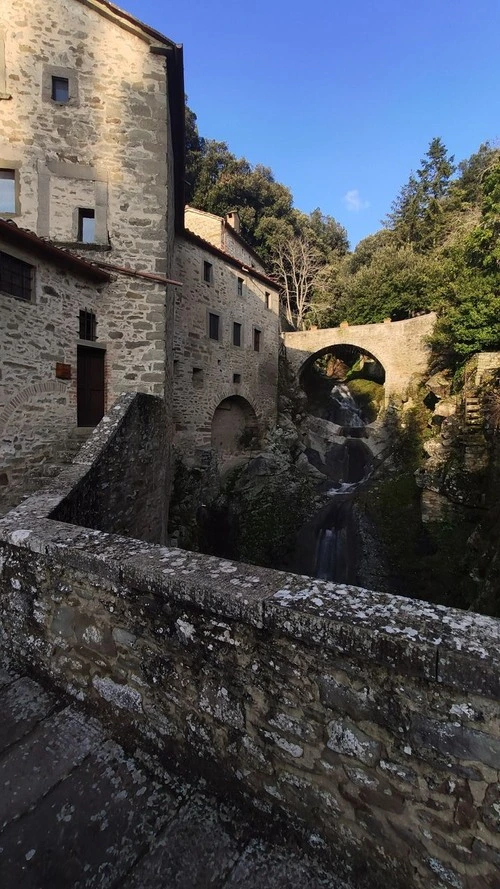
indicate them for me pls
(440, 384)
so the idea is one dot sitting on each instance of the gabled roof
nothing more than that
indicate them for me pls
(126, 20)
(231, 260)
(31, 243)
(227, 227)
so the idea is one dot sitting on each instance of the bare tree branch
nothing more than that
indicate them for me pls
(296, 265)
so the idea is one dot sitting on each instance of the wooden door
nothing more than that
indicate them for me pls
(90, 386)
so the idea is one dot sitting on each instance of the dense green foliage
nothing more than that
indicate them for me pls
(439, 248)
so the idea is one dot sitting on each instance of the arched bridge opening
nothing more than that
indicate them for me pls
(401, 347)
(336, 368)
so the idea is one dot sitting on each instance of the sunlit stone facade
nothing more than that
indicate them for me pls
(89, 144)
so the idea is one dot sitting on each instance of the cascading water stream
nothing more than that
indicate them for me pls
(344, 409)
(334, 556)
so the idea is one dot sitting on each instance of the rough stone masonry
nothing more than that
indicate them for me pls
(372, 718)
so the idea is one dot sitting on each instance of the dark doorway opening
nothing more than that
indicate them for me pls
(90, 386)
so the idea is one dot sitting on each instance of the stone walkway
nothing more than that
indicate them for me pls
(76, 811)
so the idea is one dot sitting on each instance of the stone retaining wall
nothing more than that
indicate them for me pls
(120, 478)
(373, 718)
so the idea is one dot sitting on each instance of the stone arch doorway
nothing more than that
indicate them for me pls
(234, 426)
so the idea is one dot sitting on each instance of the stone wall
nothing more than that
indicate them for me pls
(36, 408)
(206, 371)
(205, 225)
(486, 361)
(124, 483)
(219, 232)
(109, 148)
(372, 718)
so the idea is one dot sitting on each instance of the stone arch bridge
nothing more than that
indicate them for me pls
(399, 346)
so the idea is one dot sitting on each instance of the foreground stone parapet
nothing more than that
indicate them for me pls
(372, 718)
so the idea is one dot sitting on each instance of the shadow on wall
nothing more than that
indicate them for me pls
(234, 426)
(125, 483)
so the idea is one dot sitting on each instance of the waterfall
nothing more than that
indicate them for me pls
(344, 409)
(325, 554)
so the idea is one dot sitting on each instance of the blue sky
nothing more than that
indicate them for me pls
(340, 99)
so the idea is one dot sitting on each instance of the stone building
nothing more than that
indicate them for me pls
(49, 300)
(91, 162)
(226, 338)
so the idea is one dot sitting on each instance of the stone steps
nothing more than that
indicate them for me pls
(42, 472)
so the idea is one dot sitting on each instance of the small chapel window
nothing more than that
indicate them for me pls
(7, 191)
(207, 272)
(86, 226)
(60, 89)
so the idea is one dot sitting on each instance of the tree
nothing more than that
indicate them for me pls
(406, 215)
(218, 181)
(469, 318)
(329, 237)
(296, 264)
(416, 215)
(436, 170)
(195, 147)
(398, 283)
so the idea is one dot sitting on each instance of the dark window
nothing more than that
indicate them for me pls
(16, 277)
(88, 325)
(86, 226)
(236, 378)
(207, 272)
(256, 339)
(197, 376)
(240, 286)
(267, 299)
(60, 89)
(7, 191)
(213, 326)
(236, 334)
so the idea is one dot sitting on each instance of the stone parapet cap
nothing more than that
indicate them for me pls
(407, 636)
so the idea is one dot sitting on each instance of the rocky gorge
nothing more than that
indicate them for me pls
(400, 498)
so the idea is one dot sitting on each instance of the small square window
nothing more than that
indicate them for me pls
(16, 277)
(240, 287)
(236, 378)
(7, 191)
(198, 377)
(88, 325)
(213, 326)
(86, 226)
(256, 339)
(207, 272)
(60, 89)
(236, 334)
(267, 299)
